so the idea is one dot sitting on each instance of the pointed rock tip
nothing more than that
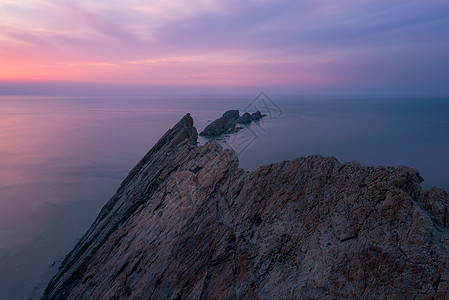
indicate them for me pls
(186, 128)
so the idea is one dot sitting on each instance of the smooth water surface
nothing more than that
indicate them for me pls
(62, 158)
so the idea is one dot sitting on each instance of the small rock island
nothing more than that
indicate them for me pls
(227, 123)
(188, 223)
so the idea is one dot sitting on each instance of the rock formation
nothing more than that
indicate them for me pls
(227, 123)
(187, 223)
(257, 116)
(245, 118)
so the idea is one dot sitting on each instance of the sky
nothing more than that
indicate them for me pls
(398, 47)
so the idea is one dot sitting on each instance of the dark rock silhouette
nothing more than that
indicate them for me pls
(257, 116)
(187, 223)
(245, 118)
(223, 125)
(226, 124)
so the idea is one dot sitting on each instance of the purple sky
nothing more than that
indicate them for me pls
(394, 47)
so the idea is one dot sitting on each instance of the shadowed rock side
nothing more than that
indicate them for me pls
(187, 223)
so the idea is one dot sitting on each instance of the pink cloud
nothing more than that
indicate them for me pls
(219, 42)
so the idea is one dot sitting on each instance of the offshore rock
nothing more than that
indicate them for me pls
(226, 124)
(257, 116)
(223, 125)
(187, 223)
(245, 118)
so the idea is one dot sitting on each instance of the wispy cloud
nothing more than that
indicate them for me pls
(226, 40)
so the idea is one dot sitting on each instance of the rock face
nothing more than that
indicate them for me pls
(227, 123)
(187, 223)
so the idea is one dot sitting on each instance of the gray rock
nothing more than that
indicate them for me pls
(187, 223)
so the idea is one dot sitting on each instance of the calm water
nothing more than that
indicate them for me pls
(61, 159)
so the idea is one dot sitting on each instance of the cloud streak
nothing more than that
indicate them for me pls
(354, 44)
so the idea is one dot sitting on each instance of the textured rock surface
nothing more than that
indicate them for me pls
(187, 223)
(227, 123)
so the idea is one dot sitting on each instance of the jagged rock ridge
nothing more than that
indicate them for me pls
(187, 223)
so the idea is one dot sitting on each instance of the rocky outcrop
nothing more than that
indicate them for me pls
(187, 223)
(257, 116)
(245, 118)
(226, 124)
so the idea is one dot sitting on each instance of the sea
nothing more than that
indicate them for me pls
(62, 158)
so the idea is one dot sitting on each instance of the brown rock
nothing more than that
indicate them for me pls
(187, 223)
